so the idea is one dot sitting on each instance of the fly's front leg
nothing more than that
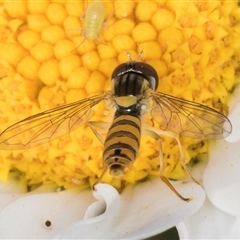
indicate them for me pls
(152, 133)
(104, 128)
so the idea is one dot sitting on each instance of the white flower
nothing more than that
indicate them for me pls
(219, 217)
(138, 212)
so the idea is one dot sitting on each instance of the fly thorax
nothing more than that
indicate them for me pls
(126, 101)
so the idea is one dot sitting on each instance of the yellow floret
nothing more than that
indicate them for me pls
(42, 51)
(98, 85)
(160, 66)
(145, 10)
(124, 26)
(49, 72)
(72, 26)
(56, 13)
(46, 61)
(170, 39)
(28, 39)
(188, 20)
(83, 45)
(28, 67)
(78, 78)
(52, 34)
(149, 32)
(16, 9)
(107, 66)
(74, 95)
(124, 9)
(162, 19)
(45, 96)
(228, 77)
(123, 57)
(68, 64)
(4, 33)
(62, 48)
(38, 7)
(106, 51)
(75, 9)
(4, 173)
(4, 69)
(151, 50)
(11, 52)
(123, 43)
(37, 22)
(91, 60)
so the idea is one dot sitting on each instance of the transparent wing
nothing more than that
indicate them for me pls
(48, 125)
(188, 118)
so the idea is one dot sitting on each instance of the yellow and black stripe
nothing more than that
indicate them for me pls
(122, 142)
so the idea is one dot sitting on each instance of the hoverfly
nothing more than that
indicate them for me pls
(133, 93)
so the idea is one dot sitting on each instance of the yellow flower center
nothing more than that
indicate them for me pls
(47, 61)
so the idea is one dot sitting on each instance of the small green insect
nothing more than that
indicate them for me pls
(94, 18)
(93, 21)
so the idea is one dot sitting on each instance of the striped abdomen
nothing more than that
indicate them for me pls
(122, 142)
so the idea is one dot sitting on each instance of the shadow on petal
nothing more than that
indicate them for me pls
(221, 177)
(209, 223)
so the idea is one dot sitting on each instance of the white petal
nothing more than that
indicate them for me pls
(9, 192)
(26, 217)
(221, 178)
(143, 210)
(209, 223)
(234, 117)
(107, 205)
(10, 187)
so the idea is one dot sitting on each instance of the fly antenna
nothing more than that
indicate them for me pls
(129, 56)
(140, 55)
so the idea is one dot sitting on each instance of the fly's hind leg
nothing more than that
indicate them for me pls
(183, 160)
(104, 128)
(176, 137)
(152, 133)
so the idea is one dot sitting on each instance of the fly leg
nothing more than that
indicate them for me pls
(104, 127)
(183, 159)
(176, 137)
(152, 133)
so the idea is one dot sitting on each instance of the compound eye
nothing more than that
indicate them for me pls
(149, 72)
(119, 70)
(138, 67)
(146, 69)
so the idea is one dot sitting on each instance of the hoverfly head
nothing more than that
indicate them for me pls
(141, 68)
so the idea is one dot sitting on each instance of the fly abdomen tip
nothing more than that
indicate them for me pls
(116, 170)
